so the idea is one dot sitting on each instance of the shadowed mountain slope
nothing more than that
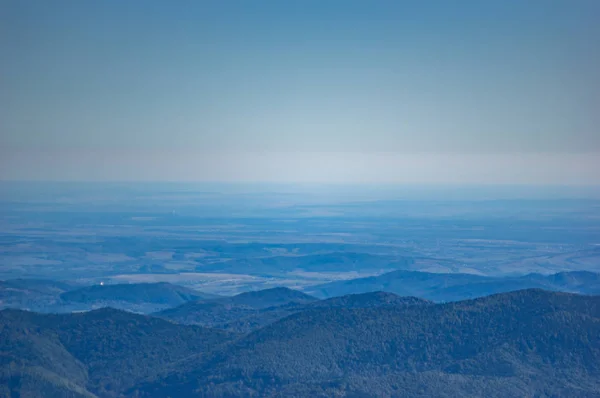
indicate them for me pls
(524, 343)
(101, 351)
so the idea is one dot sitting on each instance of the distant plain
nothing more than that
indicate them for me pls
(228, 238)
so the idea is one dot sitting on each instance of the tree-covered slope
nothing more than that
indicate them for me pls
(525, 343)
(529, 343)
(269, 315)
(102, 351)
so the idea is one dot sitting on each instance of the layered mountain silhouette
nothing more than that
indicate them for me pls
(53, 296)
(454, 287)
(101, 352)
(523, 343)
(249, 311)
(63, 296)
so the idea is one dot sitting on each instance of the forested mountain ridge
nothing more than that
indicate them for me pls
(525, 343)
(101, 351)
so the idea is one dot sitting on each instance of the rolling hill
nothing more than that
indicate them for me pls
(269, 298)
(33, 294)
(269, 315)
(160, 293)
(368, 300)
(222, 311)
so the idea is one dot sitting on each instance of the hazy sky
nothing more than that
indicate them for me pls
(344, 91)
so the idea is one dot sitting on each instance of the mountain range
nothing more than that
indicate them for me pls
(523, 343)
(454, 287)
(252, 310)
(219, 311)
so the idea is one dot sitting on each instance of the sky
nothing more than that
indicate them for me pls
(495, 92)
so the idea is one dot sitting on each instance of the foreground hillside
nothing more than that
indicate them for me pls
(525, 343)
(103, 351)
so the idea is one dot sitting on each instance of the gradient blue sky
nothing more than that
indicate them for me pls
(339, 91)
